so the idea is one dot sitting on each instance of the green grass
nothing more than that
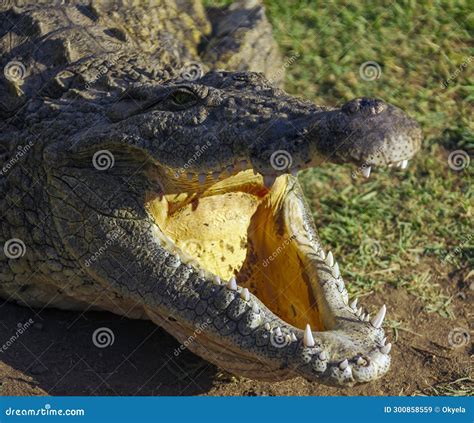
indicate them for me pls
(463, 386)
(397, 227)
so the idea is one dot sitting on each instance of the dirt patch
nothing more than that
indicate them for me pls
(56, 356)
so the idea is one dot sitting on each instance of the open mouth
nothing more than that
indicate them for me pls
(260, 241)
(239, 230)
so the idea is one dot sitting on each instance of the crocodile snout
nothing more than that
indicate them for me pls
(367, 131)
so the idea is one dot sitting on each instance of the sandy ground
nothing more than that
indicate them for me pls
(56, 355)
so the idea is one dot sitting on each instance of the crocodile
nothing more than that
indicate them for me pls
(149, 161)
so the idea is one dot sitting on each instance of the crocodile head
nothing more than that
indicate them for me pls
(194, 182)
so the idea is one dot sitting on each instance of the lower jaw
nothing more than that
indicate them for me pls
(282, 263)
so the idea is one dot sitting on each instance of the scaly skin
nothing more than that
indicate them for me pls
(110, 236)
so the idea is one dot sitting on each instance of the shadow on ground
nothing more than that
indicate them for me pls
(57, 356)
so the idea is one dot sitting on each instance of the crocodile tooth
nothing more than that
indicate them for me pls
(177, 261)
(362, 317)
(232, 284)
(230, 169)
(245, 294)
(384, 341)
(367, 318)
(288, 338)
(323, 355)
(366, 171)
(330, 259)
(354, 304)
(255, 308)
(360, 361)
(335, 271)
(378, 319)
(322, 254)
(202, 178)
(359, 312)
(404, 164)
(267, 326)
(278, 331)
(216, 174)
(190, 176)
(217, 280)
(243, 164)
(344, 365)
(308, 339)
(340, 287)
(293, 337)
(269, 180)
(386, 348)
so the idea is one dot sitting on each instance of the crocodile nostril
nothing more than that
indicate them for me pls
(378, 107)
(372, 106)
(351, 107)
(366, 106)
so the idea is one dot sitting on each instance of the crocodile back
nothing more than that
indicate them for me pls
(47, 50)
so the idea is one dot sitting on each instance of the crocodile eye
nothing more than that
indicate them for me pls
(351, 107)
(182, 98)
